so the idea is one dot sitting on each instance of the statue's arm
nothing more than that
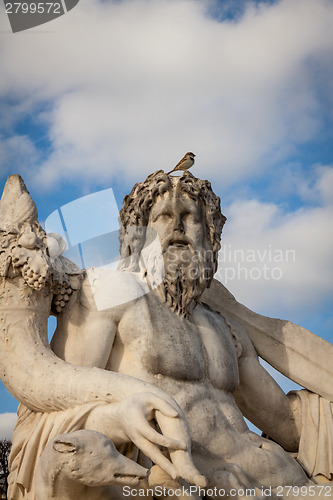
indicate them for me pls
(262, 400)
(293, 350)
(33, 274)
(84, 336)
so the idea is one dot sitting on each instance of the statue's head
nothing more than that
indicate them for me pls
(185, 213)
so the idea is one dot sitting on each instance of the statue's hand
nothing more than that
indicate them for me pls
(136, 414)
(131, 421)
(141, 409)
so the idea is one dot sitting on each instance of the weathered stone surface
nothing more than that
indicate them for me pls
(171, 360)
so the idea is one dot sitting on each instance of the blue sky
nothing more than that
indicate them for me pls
(115, 90)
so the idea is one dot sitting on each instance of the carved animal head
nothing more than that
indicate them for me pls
(90, 458)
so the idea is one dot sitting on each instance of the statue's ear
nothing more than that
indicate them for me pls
(64, 446)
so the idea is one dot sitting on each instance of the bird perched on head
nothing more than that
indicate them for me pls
(185, 163)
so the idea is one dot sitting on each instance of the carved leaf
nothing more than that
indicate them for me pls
(25, 209)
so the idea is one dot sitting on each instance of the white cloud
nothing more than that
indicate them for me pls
(19, 151)
(7, 423)
(314, 186)
(296, 247)
(136, 83)
(131, 85)
(324, 184)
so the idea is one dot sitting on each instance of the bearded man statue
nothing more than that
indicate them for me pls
(159, 360)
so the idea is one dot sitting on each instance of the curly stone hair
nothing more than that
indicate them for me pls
(138, 204)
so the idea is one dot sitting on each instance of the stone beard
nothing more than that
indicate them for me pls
(188, 272)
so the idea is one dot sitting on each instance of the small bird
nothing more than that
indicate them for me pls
(185, 163)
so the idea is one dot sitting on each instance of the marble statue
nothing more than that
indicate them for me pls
(153, 366)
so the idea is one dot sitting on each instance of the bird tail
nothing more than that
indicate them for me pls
(168, 173)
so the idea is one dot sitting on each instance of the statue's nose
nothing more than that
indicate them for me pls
(179, 226)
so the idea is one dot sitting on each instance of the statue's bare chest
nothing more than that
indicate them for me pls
(163, 343)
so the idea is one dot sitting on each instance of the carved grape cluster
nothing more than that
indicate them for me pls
(62, 297)
(35, 279)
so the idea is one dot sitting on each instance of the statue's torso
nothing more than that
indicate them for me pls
(195, 361)
(153, 342)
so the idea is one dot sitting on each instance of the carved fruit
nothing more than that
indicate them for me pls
(56, 244)
(35, 271)
(28, 239)
(19, 256)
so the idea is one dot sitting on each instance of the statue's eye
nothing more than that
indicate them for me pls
(164, 216)
(190, 218)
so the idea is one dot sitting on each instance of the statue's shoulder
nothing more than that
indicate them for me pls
(110, 291)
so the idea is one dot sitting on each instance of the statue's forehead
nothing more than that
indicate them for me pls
(176, 196)
(176, 199)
